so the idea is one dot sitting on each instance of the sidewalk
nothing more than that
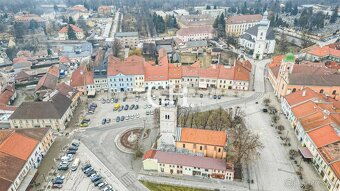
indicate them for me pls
(309, 174)
(209, 184)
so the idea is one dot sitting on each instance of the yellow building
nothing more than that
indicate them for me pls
(209, 143)
(236, 25)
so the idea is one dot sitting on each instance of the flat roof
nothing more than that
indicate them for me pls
(126, 34)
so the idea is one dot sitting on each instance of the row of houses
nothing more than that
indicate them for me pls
(21, 152)
(315, 119)
(137, 75)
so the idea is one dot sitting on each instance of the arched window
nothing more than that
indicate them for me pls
(294, 90)
(334, 92)
(321, 91)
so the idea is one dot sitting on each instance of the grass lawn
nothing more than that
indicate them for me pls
(162, 187)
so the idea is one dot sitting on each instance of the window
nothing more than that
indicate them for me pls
(201, 147)
(219, 150)
(321, 91)
(183, 145)
(334, 92)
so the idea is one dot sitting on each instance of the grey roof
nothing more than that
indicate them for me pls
(168, 48)
(191, 161)
(53, 109)
(314, 80)
(254, 30)
(77, 50)
(199, 43)
(126, 34)
(247, 36)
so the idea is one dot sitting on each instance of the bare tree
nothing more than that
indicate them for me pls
(157, 117)
(266, 101)
(245, 146)
(275, 118)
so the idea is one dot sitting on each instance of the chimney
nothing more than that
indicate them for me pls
(304, 93)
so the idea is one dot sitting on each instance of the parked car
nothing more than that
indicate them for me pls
(126, 107)
(127, 117)
(132, 106)
(57, 186)
(102, 185)
(86, 166)
(147, 112)
(103, 121)
(117, 119)
(63, 167)
(84, 124)
(124, 99)
(60, 177)
(149, 106)
(108, 187)
(215, 96)
(73, 148)
(132, 116)
(219, 97)
(88, 169)
(85, 120)
(96, 178)
(90, 172)
(108, 120)
(201, 95)
(145, 106)
(151, 112)
(71, 152)
(264, 110)
(137, 115)
(122, 118)
(58, 181)
(96, 183)
(121, 108)
(136, 107)
(76, 144)
(116, 100)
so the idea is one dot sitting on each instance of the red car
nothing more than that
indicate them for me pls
(57, 186)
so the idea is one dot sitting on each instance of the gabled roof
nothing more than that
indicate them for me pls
(323, 136)
(202, 136)
(191, 161)
(238, 19)
(74, 27)
(195, 30)
(66, 90)
(34, 133)
(10, 167)
(81, 76)
(19, 146)
(304, 109)
(254, 30)
(133, 65)
(302, 96)
(53, 109)
(175, 72)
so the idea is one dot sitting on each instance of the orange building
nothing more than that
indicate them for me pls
(209, 143)
(291, 77)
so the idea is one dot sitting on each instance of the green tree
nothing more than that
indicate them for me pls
(294, 10)
(55, 7)
(215, 25)
(283, 44)
(334, 15)
(221, 26)
(33, 24)
(244, 8)
(49, 52)
(71, 34)
(208, 7)
(71, 21)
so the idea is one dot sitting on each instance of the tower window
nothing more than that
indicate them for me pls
(183, 145)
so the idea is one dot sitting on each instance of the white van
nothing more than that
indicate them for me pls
(75, 164)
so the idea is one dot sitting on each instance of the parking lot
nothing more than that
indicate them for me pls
(77, 180)
(105, 110)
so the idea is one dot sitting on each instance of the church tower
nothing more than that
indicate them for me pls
(260, 42)
(168, 127)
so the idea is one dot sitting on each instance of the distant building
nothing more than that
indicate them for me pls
(324, 53)
(63, 32)
(75, 52)
(214, 11)
(21, 152)
(180, 12)
(236, 25)
(259, 39)
(186, 21)
(105, 10)
(195, 33)
(55, 113)
(48, 82)
(291, 77)
(127, 75)
(127, 39)
(100, 71)
(82, 80)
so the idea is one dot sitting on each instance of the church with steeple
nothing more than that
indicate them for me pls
(259, 40)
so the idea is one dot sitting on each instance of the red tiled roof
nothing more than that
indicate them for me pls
(80, 8)
(304, 109)
(7, 108)
(74, 27)
(241, 73)
(133, 65)
(336, 168)
(66, 90)
(324, 51)
(202, 136)
(64, 59)
(323, 136)
(195, 30)
(158, 72)
(6, 94)
(19, 146)
(208, 72)
(77, 77)
(244, 19)
(302, 96)
(149, 154)
(226, 73)
(175, 72)
(276, 61)
(50, 79)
